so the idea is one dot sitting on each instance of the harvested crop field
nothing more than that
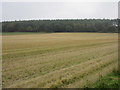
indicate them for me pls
(53, 60)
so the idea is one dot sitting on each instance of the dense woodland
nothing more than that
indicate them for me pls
(65, 25)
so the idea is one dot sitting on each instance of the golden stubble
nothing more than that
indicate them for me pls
(57, 59)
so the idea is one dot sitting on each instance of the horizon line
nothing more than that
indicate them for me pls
(58, 19)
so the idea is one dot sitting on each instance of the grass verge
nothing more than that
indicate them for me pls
(109, 81)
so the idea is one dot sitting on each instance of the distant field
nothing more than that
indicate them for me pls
(66, 60)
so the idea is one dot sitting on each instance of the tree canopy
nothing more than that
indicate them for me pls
(65, 25)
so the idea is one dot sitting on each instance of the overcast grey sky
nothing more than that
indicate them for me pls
(58, 10)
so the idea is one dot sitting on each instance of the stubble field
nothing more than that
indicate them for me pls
(53, 60)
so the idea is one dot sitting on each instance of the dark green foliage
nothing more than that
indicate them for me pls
(109, 81)
(73, 25)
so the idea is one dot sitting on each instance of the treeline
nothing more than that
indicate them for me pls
(73, 25)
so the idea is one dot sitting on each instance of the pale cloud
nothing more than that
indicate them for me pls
(59, 10)
(60, 0)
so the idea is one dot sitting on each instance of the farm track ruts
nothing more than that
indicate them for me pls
(72, 53)
(70, 73)
(60, 61)
(50, 63)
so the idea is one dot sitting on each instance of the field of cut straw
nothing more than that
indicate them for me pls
(57, 60)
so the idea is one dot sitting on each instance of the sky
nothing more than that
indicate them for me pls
(51, 9)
